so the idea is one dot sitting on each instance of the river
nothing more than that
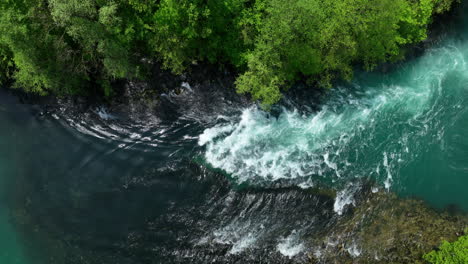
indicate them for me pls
(220, 181)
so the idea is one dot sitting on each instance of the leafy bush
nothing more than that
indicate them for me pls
(450, 253)
(196, 30)
(73, 46)
(6, 64)
(66, 47)
(323, 40)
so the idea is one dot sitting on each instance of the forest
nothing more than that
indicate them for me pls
(70, 47)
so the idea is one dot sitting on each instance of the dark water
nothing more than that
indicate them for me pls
(209, 179)
(139, 193)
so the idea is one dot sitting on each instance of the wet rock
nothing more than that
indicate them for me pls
(387, 229)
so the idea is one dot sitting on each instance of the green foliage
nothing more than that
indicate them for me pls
(6, 64)
(24, 28)
(450, 253)
(186, 31)
(66, 47)
(323, 40)
(100, 33)
(73, 46)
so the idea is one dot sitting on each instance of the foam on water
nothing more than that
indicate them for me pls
(291, 245)
(371, 128)
(104, 114)
(353, 250)
(344, 198)
(239, 236)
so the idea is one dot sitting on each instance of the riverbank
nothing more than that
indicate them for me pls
(384, 228)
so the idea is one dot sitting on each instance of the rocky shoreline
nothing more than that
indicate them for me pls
(384, 228)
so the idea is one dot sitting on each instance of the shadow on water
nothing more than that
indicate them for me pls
(91, 189)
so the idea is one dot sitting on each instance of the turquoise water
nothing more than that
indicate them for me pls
(407, 130)
(11, 250)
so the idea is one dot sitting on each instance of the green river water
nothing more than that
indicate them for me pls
(11, 249)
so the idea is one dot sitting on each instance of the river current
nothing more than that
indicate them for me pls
(214, 179)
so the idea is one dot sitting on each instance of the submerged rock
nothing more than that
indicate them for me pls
(386, 229)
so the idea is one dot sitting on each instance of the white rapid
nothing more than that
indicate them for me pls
(371, 127)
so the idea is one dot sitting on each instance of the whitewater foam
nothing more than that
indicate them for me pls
(353, 250)
(344, 198)
(240, 236)
(371, 129)
(291, 245)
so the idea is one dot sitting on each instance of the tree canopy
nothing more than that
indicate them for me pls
(323, 40)
(74, 46)
(453, 253)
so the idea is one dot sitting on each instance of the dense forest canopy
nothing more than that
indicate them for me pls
(74, 46)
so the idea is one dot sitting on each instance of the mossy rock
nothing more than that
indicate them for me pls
(387, 229)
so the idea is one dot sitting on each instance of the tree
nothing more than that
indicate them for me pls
(64, 46)
(76, 46)
(187, 31)
(450, 253)
(324, 40)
